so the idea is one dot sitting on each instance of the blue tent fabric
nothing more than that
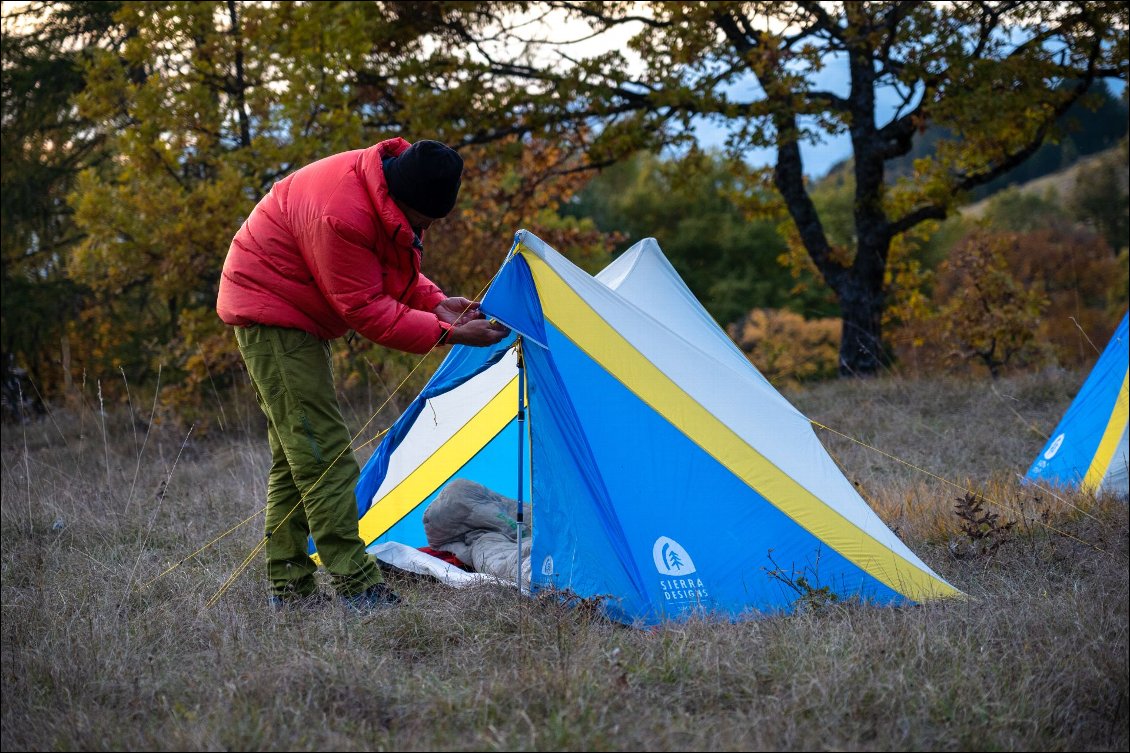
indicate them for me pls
(462, 364)
(667, 477)
(512, 298)
(1088, 447)
(727, 532)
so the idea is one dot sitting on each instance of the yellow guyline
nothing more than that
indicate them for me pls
(1002, 505)
(259, 546)
(348, 448)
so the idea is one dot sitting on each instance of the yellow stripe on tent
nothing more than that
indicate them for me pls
(570, 314)
(1119, 418)
(441, 464)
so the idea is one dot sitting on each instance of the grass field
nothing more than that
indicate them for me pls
(97, 655)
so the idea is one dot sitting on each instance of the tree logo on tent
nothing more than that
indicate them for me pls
(1054, 448)
(671, 558)
(547, 565)
(673, 562)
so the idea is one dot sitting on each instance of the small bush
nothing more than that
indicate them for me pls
(788, 348)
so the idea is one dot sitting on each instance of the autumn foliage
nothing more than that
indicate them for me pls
(139, 135)
(1004, 301)
(202, 108)
(785, 347)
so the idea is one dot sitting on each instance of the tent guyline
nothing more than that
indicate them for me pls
(239, 525)
(967, 490)
(267, 535)
(259, 546)
(652, 426)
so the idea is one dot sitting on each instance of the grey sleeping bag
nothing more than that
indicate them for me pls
(479, 526)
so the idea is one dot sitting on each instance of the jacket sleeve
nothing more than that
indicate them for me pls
(426, 295)
(350, 277)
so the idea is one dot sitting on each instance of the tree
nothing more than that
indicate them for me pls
(996, 75)
(208, 105)
(1101, 199)
(1018, 293)
(45, 146)
(986, 314)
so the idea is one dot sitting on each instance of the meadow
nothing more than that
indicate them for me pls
(107, 648)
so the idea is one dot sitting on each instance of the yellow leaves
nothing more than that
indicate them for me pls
(787, 348)
(797, 261)
(1009, 300)
(906, 279)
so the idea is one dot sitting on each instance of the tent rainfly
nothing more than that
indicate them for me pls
(667, 477)
(1088, 449)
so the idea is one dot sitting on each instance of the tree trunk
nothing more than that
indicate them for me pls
(861, 345)
(861, 292)
(68, 382)
(240, 84)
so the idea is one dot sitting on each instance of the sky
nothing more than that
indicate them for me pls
(819, 156)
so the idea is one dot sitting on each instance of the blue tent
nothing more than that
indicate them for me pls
(1088, 449)
(667, 476)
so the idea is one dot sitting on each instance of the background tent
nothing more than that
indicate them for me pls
(667, 475)
(1088, 449)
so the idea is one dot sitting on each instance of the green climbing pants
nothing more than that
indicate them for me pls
(313, 469)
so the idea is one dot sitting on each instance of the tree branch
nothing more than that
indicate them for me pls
(823, 20)
(831, 101)
(609, 21)
(916, 216)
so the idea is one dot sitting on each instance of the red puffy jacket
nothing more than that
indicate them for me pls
(327, 250)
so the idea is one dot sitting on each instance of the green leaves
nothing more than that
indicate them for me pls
(996, 77)
(180, 115)
(210, 103)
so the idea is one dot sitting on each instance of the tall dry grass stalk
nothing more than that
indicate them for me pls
(1035, 659)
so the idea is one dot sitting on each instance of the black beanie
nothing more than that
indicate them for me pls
(426, 177)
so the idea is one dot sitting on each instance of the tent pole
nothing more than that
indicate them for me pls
(521, 447)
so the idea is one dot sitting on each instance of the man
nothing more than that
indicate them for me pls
(336, 245)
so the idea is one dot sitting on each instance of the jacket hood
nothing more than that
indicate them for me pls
(372, 172)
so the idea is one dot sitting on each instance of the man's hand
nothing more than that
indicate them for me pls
(478, 332)
(457, 311)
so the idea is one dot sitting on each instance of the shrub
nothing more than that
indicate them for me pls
(1009, 300)
(786, 347)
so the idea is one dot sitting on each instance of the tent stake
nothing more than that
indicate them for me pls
(521, 443)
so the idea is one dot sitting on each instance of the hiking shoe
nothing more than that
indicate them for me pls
(293, 602)
(373, 598)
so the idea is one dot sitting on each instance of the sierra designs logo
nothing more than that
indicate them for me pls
(1054, 447)
(671, 558)
(677, 582)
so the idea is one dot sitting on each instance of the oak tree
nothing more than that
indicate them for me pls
(995, 76)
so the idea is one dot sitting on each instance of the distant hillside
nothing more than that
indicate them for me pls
(1061, 183)
(1085, 130)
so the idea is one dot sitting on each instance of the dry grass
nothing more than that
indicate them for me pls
(1035, 660)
